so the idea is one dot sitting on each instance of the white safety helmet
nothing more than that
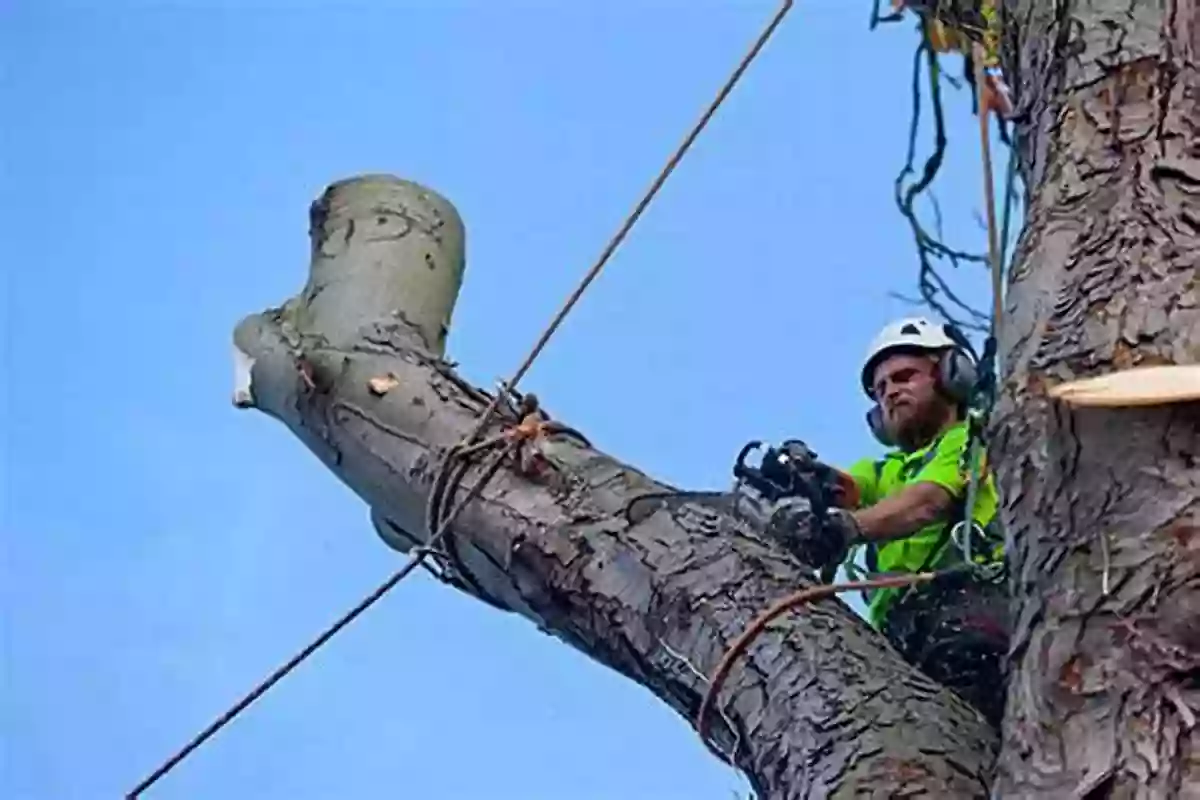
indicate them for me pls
(905, 334)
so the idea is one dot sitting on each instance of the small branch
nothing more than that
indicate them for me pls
(934, 291)
(877, 18)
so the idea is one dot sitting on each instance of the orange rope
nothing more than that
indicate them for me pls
(793, 600)
(986, 103)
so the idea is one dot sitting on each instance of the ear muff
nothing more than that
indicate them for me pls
(958, 370)
(957, 374)
(875, 423)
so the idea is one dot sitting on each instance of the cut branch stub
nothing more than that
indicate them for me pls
(1140, 386)
(383, 247)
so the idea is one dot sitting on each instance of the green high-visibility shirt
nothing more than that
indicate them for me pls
(942, 462)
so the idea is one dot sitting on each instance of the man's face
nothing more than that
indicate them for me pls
(906, 390)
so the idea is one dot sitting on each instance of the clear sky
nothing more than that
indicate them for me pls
(163, 551)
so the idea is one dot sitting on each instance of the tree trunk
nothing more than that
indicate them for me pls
(1101, 504)
(820, 705)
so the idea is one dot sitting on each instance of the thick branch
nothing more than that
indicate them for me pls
(821, 705)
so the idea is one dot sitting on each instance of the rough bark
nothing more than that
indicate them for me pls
(821, 706)
(1106, 692)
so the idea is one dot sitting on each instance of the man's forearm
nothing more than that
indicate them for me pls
(904, 513)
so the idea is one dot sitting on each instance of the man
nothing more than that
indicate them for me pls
(956, 629)
(921, 380)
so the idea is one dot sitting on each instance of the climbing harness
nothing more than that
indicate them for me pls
(966, 533)
(515, 437)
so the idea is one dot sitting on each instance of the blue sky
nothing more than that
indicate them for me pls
(163, 552)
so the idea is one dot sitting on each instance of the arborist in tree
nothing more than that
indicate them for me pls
(907, 510)
(922, 378)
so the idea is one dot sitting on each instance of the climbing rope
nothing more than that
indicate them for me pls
(325, 636)
(963, 532)
(517, 436)
(780, 607)
(989, 99)
(991, 96)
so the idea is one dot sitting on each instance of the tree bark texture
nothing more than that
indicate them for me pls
(1102, 504)
(820, 706)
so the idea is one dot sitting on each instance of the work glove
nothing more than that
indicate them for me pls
(821, 542)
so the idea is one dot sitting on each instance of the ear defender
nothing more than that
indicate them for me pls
(958, 369)
(878, 430)
(957, 374)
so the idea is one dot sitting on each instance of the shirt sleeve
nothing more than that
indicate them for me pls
(866, 477)
(945, 469)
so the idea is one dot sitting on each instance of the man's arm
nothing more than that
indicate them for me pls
(930, 496)
(904, 513)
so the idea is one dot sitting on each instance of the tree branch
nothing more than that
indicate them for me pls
(820, 706)
(934, 290)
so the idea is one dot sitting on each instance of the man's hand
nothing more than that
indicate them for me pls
(820, 543)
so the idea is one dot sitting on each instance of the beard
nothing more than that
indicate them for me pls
(914, 425)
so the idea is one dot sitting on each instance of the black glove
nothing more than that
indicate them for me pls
(820, 542)
(841, 524)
